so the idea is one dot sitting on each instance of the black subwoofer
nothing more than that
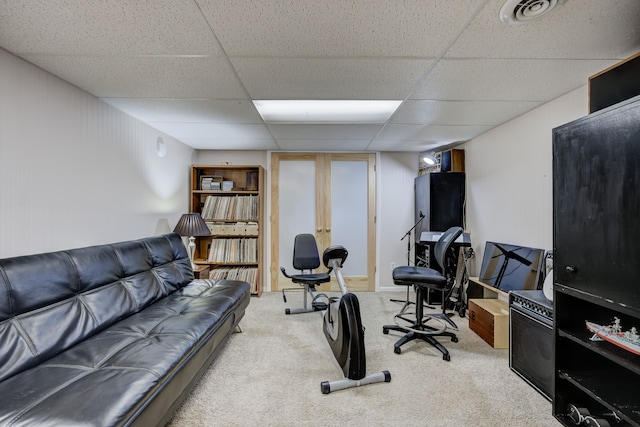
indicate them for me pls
(531, 339)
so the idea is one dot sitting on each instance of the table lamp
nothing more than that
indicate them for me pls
(191, 225)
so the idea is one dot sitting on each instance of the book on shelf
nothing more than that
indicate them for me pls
(238, 207)
(245, 274)
(239, 228)
(240, 250)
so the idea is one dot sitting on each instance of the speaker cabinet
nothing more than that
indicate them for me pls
(452, 161)
(615, 84)
(440, 197)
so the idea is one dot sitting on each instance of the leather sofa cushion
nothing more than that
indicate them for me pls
(50, 302)
(110, 377)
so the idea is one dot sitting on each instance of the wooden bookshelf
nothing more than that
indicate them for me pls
(231, 201)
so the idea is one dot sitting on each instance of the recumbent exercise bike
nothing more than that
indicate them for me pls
(342, 323)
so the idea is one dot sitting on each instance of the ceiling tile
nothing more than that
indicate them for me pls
(188, 111)
(237, 131)
(336, 27)
(105, 27)
(506, 79)
(402, 145)
(433, 134)
(460, 112)
(231, 144)
(145, 77)
(323, 144)
(329, 78)
(577, 29)
(337, 132)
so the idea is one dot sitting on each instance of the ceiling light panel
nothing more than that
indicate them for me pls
(326, 111)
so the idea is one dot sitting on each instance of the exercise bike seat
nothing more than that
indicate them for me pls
(310, 279)
(306, 259)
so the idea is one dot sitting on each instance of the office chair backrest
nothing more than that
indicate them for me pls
(305, 252)
(443, 244)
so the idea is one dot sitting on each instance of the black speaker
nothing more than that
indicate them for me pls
(615, 84)
(440, 197)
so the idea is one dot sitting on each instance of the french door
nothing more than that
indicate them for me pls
(329, 195)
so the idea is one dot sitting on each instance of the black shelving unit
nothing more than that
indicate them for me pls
(596, 169)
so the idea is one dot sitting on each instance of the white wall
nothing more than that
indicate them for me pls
(396, 172)
(509, 177)
(74, 171)
(211, 157)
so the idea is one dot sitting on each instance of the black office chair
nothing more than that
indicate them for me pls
(422, 279)
(306, 259)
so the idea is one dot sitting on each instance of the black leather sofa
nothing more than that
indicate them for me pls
(110, 335)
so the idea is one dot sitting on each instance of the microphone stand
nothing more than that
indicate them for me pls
(408, 302)
(408, 234)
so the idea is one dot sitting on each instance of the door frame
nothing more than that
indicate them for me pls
(323, 215)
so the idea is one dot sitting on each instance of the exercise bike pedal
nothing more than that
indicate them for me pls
(319, 306)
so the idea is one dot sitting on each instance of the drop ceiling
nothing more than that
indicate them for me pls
(191, 68)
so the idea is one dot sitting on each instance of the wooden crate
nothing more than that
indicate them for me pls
(489, 318)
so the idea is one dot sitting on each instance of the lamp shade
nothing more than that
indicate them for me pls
(192, 224)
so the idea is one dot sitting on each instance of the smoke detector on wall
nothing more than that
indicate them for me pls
(522, 11)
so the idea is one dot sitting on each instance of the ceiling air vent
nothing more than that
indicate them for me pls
(522, 11)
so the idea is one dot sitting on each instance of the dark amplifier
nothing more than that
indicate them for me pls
(531, 339)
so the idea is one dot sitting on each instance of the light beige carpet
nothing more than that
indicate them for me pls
(270, 375)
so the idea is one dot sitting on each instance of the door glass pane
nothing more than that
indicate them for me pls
(349, 213)
(297, 205)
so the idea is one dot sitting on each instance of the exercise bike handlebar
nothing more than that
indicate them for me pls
(337, 253)
(333, 258)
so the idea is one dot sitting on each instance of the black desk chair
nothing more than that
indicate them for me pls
(306, 259)
(422, 279)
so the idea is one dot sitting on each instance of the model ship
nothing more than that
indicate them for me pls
(629, 340)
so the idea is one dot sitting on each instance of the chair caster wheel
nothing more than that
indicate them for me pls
(385, 331)
(397, 350)
(446, 357)
(454, 339)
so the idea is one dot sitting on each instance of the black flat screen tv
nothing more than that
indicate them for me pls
(510, 268)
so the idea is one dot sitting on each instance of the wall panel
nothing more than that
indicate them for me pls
(75, 171)
(509, 177)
